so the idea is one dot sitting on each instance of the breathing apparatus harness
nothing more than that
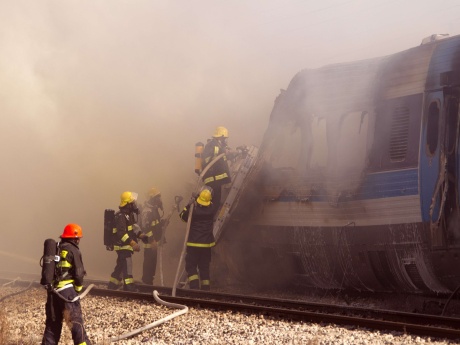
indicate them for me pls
(52, 272)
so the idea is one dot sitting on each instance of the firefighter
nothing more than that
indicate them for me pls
(125, 242)
(200, 239)
(152, 226)
(62, 301)
(219, 173)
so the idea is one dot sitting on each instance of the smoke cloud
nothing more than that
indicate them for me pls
(99, 97)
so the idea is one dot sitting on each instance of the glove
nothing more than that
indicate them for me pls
(135, 246)
(243, 150)
(109, 248)
(48, 287)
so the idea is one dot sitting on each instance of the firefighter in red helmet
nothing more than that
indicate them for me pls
(62, 297)
(126, 237)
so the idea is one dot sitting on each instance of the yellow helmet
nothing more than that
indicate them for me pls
(220, 132)
(153, 192)
(205, 197)
(127, 197)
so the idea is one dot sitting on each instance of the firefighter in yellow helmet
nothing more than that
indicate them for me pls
(200, 239)
(151, 224)
(62, 295)
(219, 173)
(126, 237)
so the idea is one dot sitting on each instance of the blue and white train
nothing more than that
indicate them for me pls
(356, 184)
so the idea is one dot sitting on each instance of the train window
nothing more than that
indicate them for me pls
(352, 142)
(399, 136)
(286, 152)
(319, 152)
(432, 131)
(301, 145)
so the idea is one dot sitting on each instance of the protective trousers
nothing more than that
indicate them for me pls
(197, 262)
(123, 271)
(58, 310)
(150, 265)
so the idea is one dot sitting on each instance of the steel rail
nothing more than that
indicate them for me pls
(358, 317)
(416, 324)
(272, 302)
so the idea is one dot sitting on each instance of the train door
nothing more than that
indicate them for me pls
(451, 216)
(432, 166)
(439, 166)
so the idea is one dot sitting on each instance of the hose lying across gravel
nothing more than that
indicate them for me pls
(184, 309)
(15, 293)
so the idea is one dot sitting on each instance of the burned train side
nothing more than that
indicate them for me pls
(356, 181)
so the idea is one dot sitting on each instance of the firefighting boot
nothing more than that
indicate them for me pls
(130, 287)
(147, 281)
(114, 284)
(194, 284)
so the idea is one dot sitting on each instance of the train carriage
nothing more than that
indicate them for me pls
(356, 181)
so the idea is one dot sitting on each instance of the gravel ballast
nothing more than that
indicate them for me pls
(23, 319)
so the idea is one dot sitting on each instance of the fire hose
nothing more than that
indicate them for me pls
(15, 293)
(76, 298)
(82, 295)
(183, 310)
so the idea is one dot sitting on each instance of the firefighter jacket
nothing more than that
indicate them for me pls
(69, 270)
(151, 222)
(219, 172)
(201, 226)
(124, 230)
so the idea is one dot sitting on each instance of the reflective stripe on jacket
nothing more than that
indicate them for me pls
(70, 266)
(151, 221)
(124, 233)
(200, 234)
(219, 172)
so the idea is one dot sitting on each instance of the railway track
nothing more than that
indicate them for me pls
(376, 319)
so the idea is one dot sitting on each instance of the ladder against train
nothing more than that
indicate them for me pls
(239, 170)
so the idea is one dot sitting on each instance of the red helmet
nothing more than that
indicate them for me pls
(72, 231)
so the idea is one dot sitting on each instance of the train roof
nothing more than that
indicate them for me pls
(359, 84)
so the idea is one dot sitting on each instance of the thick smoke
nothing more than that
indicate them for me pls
(98, 100)
(102, 97)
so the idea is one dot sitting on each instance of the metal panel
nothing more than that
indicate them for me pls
(445, 64)
(405, 73)
(396, 210)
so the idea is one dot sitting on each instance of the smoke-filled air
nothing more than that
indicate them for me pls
(102, 97)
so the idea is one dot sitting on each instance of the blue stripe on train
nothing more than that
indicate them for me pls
(375, 186)
(389, 184)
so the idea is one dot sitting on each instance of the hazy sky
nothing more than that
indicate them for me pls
(98, 97)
